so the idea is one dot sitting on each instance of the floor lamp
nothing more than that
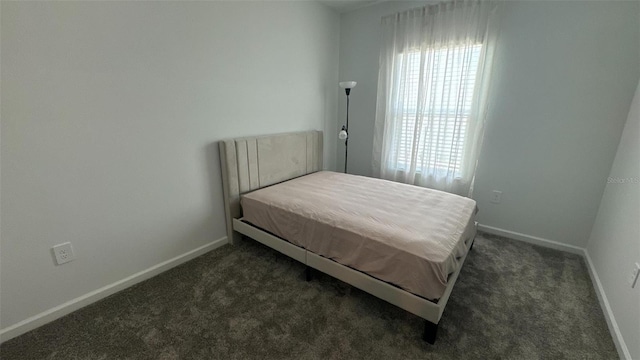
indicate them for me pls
(344, 133)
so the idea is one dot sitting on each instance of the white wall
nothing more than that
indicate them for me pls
(564, 77)
(110, 116)
(614, 245)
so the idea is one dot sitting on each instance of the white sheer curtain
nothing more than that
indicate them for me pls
(432, 94)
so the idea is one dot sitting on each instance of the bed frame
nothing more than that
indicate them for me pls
(251, 163)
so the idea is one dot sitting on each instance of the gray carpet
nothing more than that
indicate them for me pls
(513, 300)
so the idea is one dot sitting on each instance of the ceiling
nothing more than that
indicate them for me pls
(348, 5)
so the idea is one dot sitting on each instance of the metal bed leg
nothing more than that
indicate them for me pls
(430, 331)
(307, 273)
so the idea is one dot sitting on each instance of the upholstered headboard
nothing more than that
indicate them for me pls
(251, 163)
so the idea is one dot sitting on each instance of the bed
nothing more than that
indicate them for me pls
(403, 244)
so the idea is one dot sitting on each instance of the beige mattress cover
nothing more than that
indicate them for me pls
(406, 235)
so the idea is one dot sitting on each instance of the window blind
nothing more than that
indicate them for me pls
(435, 91)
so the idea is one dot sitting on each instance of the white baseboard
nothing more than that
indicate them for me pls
(531, 239)
(89, 298)
(618, 340)
(621, 346)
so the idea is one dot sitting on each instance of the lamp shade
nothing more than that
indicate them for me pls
(342, 135)
(347, 84)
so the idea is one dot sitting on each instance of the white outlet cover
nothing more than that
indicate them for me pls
(496, 196)
(64, 253)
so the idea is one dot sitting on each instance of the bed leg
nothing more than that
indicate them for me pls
(472, 242)
(308, 273)
(430, 331)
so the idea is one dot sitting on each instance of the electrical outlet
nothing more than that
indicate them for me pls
(64, 253)
(633, 278)
(496, 196)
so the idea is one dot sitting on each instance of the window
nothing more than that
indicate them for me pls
(435, 98)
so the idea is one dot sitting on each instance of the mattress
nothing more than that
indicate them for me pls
(408, 236)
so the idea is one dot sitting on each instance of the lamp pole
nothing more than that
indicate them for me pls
(344, 132)
(346, 141)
